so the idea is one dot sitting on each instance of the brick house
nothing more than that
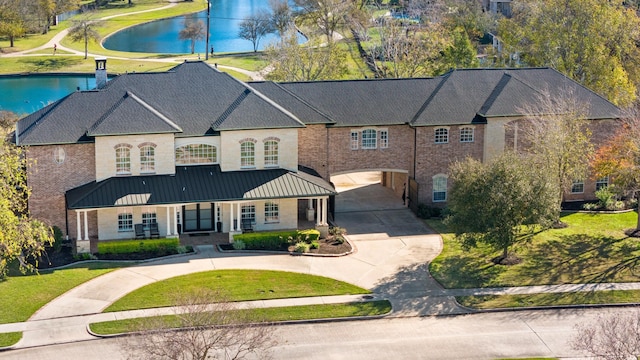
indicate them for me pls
(193, 149)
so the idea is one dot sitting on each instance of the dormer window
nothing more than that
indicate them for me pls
(123, 159)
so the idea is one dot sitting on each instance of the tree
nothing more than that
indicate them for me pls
(555, 132)
(591, 41)
(403, 51)
(255, 28)
(611, 337)
(85, 29)
(328, 15)
(11, 24)
(281, 16)
(619, 158)
(498, 202)
(460, 53)
(205, 326)
(193, 31)
(22, 238)
(293, 62)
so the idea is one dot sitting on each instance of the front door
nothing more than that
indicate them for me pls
(198, 217)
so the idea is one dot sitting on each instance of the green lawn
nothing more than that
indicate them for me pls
(305, 312)
(239, 285)
(592, 249)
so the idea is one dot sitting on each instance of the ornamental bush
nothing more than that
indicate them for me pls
(158, 247)
(276, 240)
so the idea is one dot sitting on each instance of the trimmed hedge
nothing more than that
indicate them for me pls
(276, 240)
(157, 246)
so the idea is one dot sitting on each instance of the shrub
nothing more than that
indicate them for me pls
(607, 197)
(158, 247)
(591, 206)
(276, 240)
(315, 244)
(309, 235)
(337, 230)
(427, 212)
(301, 247)
(239, 245)
(57, 238)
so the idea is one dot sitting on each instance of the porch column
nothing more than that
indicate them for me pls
(310, 212)
(86, 225)
(175, 220)
(324, 211)
(78, 227)
(231, 227)
(168, 222)
(318, 216)
(238, 227)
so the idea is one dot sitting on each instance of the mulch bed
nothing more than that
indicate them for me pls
(328, 246)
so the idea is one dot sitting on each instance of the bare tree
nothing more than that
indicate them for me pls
(204, 326)
(612, 337)
(281, 16)
(328, 15)
(556, 133)
(85, 29)
(255, 28)
(193, 31)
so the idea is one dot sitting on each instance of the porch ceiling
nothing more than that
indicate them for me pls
(198, 184)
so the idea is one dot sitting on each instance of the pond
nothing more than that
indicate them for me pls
(24, 94)
(161, 36)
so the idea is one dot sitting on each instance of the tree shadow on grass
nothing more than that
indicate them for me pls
(574, 259)
(48, 64)
(457, 272)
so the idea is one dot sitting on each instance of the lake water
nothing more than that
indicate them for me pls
(162, 36)
(29, 93)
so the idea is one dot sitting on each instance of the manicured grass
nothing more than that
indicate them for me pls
(8, 339)
(306, 312)
(239, 285)
(515, 301)
(21, 296)
(77, 64)
(592, 249)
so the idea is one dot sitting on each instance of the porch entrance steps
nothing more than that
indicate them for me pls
(204, 238)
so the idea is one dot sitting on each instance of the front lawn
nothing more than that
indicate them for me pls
(592, 249)
(239, 285)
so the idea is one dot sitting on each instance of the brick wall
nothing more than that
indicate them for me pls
(434, 159)
(312, 148)
(49, 181)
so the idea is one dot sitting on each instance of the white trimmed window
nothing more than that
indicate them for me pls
(149, 217)
(147, 159)
(369, 139)
(247, 154)
(271, 153)
(439, 188)
(125, 220)
(271, 212)
(577, 187)
(602, 183)
(248, 212)
(196, 154)
(442, 136)
(59, 155)
(123, 159)
(466, 134)
(384, 139)
(354, 140)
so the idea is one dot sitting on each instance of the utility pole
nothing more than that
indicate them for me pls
(206, 48)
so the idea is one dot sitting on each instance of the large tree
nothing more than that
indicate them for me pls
(11, 23)
(496, 203)
(593, 42)
(327, 15)
(619, 158)
(281, 16)
(193, 31)
(255, 28)
(85, 29)
(22, 238)
(555, 132)
(293, 62)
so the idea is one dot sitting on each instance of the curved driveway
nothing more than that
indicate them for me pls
(393, 249)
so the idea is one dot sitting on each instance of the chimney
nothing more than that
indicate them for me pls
(101, 72)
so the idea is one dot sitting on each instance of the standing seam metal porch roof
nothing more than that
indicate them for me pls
(192, 184)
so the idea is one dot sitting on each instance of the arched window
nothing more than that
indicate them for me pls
(271, 153)
(123, 159)
(442, 136)
(59, 155)
(439, 188)
(369, 139)
(147, 159)
(196, 154)
(247, 154)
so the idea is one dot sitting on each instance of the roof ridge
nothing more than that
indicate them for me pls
(154, 111)
(234, 105)
(497, 90)
(49, 109)
(315, 109)
(426, 103)
(107, 113)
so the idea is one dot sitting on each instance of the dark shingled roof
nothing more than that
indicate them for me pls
(197, 184)
(192, 95)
